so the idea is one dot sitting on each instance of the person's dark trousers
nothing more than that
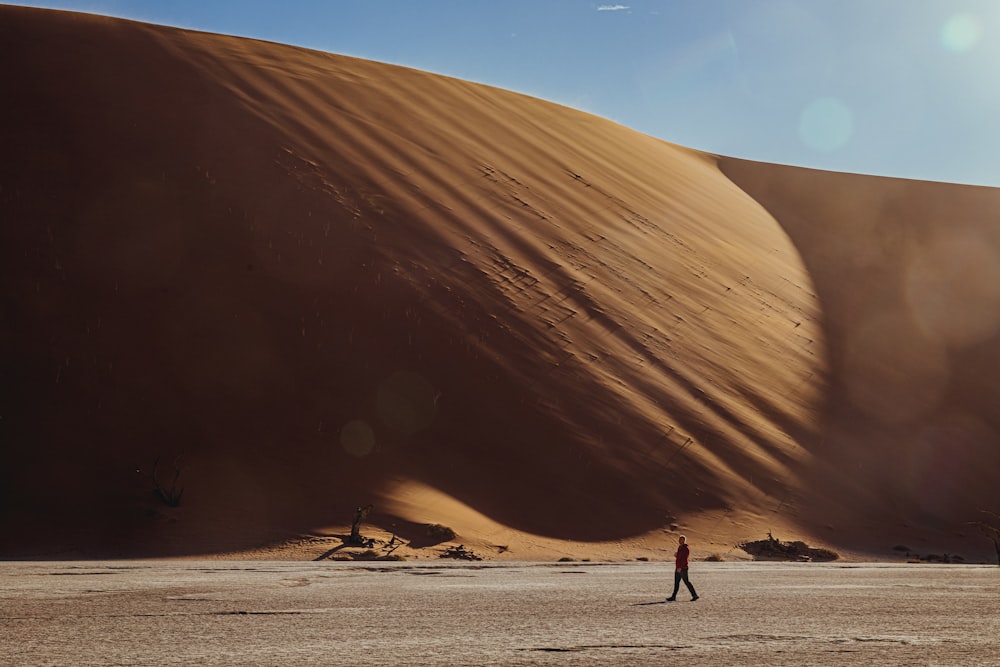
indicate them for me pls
(682, 574)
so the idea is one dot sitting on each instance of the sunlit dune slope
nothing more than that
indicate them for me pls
(309, 282)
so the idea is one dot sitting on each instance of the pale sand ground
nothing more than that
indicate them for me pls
(315, 282)
(280, 613)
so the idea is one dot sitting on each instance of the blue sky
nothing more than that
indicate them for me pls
(907, 88)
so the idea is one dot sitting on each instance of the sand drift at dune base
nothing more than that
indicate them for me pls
(248, 288)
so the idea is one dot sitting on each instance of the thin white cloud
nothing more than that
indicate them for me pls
(612, 8)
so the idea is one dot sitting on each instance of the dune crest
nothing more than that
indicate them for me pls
(300, 278)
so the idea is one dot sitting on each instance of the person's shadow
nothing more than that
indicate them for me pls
(646, 604)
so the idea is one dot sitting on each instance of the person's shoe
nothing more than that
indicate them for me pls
(694, 598)
(671, 599)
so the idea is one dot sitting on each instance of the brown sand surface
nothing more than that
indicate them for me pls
(304, 283)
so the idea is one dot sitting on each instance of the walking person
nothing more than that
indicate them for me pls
(681, 570)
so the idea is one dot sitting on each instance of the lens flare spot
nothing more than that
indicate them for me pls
(406, 403)
(826, 124)
(953, 287)
(891, 372)
(357, 438)
(961, 33)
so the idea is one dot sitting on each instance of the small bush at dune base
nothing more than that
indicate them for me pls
(459, 553)
(772, 548)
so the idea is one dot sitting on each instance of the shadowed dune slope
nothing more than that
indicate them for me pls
(907, 275)
(308, 282)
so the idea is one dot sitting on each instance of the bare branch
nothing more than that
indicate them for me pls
(170, 497)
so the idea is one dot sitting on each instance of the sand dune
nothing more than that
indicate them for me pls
(311, 282)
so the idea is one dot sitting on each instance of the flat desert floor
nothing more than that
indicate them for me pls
(325, 613)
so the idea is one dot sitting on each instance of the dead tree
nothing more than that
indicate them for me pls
(170, 497)
(991, 529)
(359, 516)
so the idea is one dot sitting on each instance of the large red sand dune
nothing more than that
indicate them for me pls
(309, 282)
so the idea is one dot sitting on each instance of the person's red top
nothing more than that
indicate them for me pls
(682, 556)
